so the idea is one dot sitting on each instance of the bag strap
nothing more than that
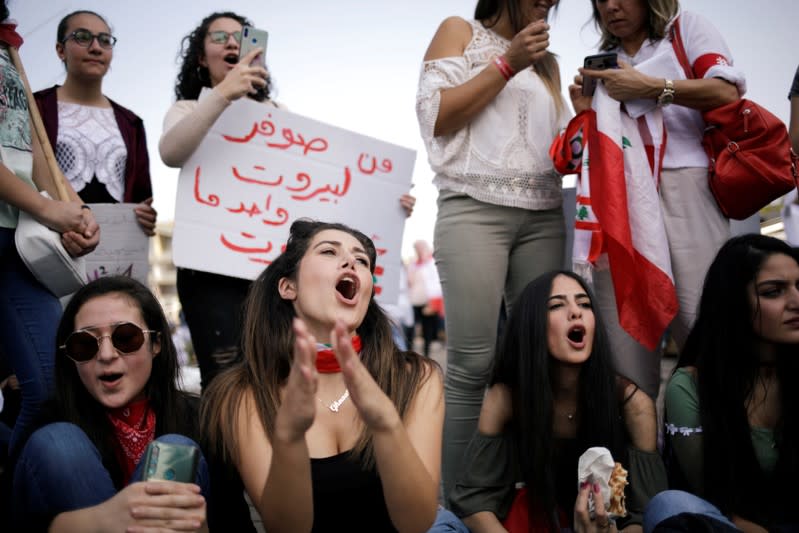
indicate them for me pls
(679, 49)
(38, 130)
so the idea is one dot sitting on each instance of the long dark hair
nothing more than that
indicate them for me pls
(73, 403)
(489, 11)
(723, 347)
(192, 76)
(524, 364)
(4, 13)
(267, 343)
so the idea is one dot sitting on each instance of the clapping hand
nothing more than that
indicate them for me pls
(298, 406)
(376, 409)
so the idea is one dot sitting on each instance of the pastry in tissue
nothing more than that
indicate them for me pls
(616, 483)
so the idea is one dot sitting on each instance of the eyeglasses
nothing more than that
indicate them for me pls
(82, 346)
(221, 36)
(85, 38)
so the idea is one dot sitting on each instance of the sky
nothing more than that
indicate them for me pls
(355, 63)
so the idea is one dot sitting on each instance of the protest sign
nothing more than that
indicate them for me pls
(259, 168)
(124, 248)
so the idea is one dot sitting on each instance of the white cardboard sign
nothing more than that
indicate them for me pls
(124, 248)
(260, 168)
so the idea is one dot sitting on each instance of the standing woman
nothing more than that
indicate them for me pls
(28, 311)
(100, 145)
(732, 409)
(489, 106)
(210, 58)
(638, 30)
(330, 425)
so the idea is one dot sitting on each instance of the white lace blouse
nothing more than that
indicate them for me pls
(89, 144)
(502, 156)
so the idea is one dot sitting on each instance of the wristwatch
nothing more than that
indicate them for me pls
(667, 96)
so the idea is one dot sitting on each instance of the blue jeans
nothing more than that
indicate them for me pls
(447, 522)
(61, 470)
(29, 316)
(673, 502)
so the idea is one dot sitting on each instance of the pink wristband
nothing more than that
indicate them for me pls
(504, 68)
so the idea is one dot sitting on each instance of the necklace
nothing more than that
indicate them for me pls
(336, 405)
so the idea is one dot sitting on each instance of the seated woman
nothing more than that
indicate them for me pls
(115, 392)
(330, 426)
(731, 411)
(552, 395)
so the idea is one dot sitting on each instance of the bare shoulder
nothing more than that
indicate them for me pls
(450, 40)
(497, 409)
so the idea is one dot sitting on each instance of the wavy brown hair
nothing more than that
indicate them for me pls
(489, 11)
(267, 344)
(660, 13)
(192, 76)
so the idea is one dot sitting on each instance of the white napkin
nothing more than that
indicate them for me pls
(595, 466)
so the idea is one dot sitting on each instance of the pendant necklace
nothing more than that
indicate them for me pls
(336, 405)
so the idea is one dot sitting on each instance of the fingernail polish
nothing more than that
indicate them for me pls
(596, 487)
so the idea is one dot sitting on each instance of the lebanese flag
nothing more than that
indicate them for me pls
(619, 223)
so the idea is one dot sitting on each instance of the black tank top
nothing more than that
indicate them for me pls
(346, 497)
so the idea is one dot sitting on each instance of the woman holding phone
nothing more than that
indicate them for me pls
(489, 106)
(100, 146)
(115, 392)
(639, 31)
(210, 59)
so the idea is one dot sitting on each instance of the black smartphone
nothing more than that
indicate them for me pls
(171, 462)
(597, 62)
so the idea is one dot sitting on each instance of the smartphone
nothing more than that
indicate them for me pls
(597, 62)
(171, 462)
(252, 38)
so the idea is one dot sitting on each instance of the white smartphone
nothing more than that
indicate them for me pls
(252, 38)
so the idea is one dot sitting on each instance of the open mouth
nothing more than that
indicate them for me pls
(231, 59)
(110, 378)
(576, 334)
(347, 286)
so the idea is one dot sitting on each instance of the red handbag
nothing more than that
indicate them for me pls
(751, 160)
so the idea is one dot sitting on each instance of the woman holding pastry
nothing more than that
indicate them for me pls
(553, 392)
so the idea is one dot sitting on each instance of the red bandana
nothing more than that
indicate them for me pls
(326, 362)
(9, 35)
(134, 428)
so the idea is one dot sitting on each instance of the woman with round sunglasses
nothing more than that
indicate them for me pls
(100, 145)
(115, 392)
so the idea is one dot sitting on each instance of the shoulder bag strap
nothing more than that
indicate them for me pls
(38, 130)
(679, 49)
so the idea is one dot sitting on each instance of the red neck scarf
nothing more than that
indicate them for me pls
(9, 35)
(134, 429)
(326, 362)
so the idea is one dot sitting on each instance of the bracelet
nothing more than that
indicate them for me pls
(504, 68)
(84, 206)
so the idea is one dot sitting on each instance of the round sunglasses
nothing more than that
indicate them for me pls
(82, 346)
(85, 38)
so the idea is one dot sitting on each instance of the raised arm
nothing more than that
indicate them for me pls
(459, 105)
(276, 472)
(187, 122)
(408, 452)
